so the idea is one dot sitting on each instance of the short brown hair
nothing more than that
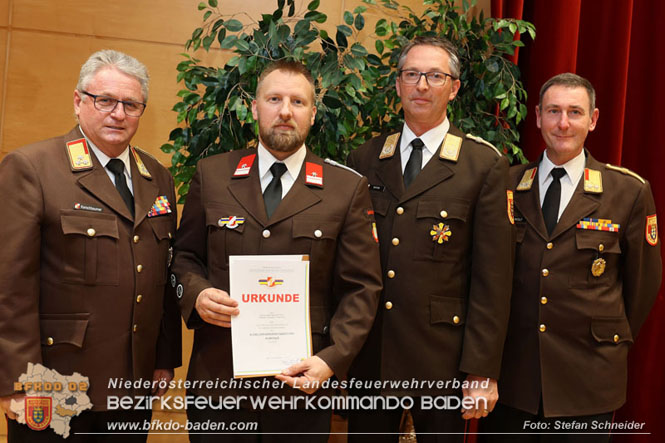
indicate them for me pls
(290, 66)
(438, 42)
(569, 80)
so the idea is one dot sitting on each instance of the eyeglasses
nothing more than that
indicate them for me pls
(107, 104)
(434, 78)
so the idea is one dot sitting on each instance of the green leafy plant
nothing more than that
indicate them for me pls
(356, 97)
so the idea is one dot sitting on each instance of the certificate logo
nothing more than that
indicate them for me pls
(38, 412)
(271, 281)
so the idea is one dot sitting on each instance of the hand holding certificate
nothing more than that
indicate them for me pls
(272, 330)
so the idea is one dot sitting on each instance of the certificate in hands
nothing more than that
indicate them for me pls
(272, 330)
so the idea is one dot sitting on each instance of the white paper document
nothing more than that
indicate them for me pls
(272, 330)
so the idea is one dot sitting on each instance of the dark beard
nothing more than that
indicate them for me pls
(284, 142)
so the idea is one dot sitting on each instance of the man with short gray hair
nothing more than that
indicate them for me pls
(86, 247)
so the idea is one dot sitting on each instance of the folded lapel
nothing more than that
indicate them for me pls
(146, 192)
(98, 183)
(247, 192)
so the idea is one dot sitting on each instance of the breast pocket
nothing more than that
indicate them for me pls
(598, 255)
(317, 237)
(226, 225)
(441, 229)
(91, 253)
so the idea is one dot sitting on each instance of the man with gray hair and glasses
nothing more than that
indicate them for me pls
(444, 217)
(86, 247)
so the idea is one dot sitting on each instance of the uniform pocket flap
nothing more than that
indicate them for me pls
(380, 205)
(162, 227)
(63, 328)
(447, 310)
(611, 330)
(315, 228)
(222, 216)
(601, 241)
(92, 225)
(441, 209)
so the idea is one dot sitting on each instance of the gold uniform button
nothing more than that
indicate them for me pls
(616, 338)
(391, 274)
(550, 245)
(49, 341)
(139, 268)
(395, 241)
(139, 298)
(444, 214)
(136, 239)
(266, 233)
(170, 235)
(399, 210)
(456, 319)
(135, 328)
(542, 328)
(543, 300)
(389, 305)
(601, 247)
(91, 232)
(318, 233)
(546, 272)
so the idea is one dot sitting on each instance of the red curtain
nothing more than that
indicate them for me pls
(619, 46)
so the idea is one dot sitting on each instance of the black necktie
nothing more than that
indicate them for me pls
(553, 199)
(415, 163)
(273, 193)
(118, 168)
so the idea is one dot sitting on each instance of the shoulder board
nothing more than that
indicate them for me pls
(482, 141)
(625, 171)
(339, 165)
(389, 146)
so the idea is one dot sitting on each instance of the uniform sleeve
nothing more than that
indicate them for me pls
(20, 237)
(491, 277)
(169, 342)
(357, 285)
(641, 262)
(190, 253)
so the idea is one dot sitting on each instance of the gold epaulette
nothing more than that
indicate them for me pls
(625, 171)
(484, 142)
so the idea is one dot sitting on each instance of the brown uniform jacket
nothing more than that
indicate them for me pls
(332, 223)
(444, 307)
(578, 361)
(71, 295)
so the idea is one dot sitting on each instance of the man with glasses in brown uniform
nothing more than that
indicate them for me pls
(444, 224)
(86, 247)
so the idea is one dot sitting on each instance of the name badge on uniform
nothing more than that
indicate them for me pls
(244, 166)
(162, 206)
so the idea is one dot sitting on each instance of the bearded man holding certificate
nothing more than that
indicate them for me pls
(277, 199)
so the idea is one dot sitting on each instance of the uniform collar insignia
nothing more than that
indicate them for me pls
(389, 146)
(527, 180)
(450, 147)
(79, 155)
(244, 166)
(593, 181)
(314, 174)
(140, 165)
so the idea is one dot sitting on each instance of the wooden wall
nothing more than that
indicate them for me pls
(43, 44)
